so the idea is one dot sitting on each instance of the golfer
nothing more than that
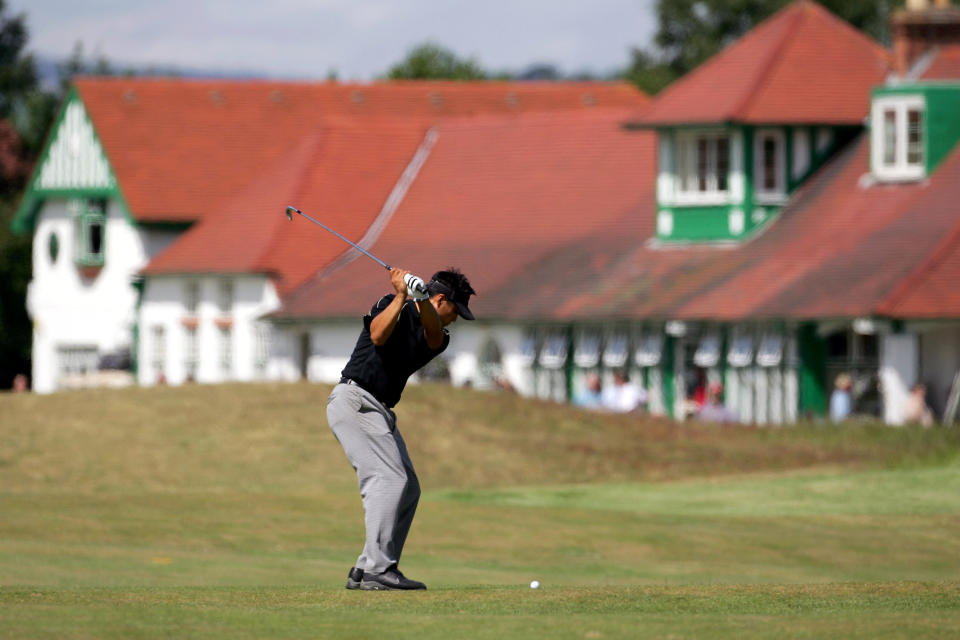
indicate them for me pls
(403, 332)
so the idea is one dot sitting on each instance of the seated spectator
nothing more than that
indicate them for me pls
(713, 409)
(623, 396)
(917, 411)
(590, 396)
(840, 400)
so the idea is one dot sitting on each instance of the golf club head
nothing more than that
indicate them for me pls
(289, 212)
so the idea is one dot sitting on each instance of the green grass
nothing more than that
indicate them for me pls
(231, 512)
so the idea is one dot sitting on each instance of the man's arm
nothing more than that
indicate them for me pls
(382, 326)
(432, 327)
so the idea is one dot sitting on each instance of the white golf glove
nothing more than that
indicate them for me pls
(416, 288)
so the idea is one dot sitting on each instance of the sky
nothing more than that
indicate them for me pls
(358, 40)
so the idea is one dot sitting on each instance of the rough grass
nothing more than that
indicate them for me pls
(230, 511)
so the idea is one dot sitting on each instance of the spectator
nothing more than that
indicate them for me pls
(590, 396)
(623, 396)
(840, 399)
(917, 411)
(20, 383)
(713, 409)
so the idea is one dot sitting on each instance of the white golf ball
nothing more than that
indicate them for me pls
(535, 584)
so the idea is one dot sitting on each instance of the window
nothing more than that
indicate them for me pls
(53, 248)
(616, 351)
(158, 353)
(262, 355)
(703, 166)
(897, 137)
(553, 354)
(708, 351)
(191, 296)
(91, 221)
(649, 351)
(225, 296)
(226, 352)
(769, 168)
(75, 360)
(191, 353)
(586, 353)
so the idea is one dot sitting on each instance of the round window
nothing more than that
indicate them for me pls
(53, 246)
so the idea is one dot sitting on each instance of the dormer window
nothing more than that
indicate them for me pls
(703, 165)
(897, 137)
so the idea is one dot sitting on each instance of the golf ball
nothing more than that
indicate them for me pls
(535, 584)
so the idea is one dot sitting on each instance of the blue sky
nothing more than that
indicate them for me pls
(358, 39)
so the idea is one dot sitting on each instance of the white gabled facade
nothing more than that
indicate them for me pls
(86, 254)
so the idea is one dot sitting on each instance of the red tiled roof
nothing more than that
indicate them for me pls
(340, 175)
(495, 197)
(231, 155)
(843, 247)
(945, 64)
(801, 65)
(214, 137)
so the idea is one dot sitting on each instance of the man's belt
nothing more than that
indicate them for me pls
(346, 380)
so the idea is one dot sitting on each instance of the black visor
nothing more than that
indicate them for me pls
(456, 297)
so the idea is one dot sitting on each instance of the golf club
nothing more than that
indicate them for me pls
(415, 285)
(292, 209)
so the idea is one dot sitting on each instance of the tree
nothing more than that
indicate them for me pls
(18, 97)
(26, 112)
(431, 61)
(690, 31)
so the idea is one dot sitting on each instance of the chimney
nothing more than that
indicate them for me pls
(921, 27)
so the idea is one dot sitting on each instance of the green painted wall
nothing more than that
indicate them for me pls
(667, 368)
(813, 371)
(699, 223)
(941, 123)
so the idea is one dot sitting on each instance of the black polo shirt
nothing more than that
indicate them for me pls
(383, 371)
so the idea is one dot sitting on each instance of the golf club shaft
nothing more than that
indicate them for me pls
(352, 244)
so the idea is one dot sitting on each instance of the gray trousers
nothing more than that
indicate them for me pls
(389, 488)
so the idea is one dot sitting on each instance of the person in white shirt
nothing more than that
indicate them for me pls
(623, 396)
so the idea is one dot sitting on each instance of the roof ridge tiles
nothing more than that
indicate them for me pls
(773, 57)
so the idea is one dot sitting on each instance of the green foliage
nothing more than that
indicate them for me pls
(691, 31)
(431, 61)
(19, 96)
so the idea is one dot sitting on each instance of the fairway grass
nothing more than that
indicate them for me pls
(230, 512)
(915, 610)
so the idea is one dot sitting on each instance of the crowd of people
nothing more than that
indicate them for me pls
(623, 396)
(915, 410)
(704, 400)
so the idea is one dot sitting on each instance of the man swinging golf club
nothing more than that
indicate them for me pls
(402, 333)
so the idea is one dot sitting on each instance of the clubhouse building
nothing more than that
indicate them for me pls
(785, 213)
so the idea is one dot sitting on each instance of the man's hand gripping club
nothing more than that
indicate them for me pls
(407, 285)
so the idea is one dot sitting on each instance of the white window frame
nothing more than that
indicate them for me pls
(226, 294)
(687, 162)
(191, 296)
(76, 360)
(262, 336)
(226, 351)
(191, 352)
(900, 169)
(779, 192)
(90, 213)
(158, 351)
